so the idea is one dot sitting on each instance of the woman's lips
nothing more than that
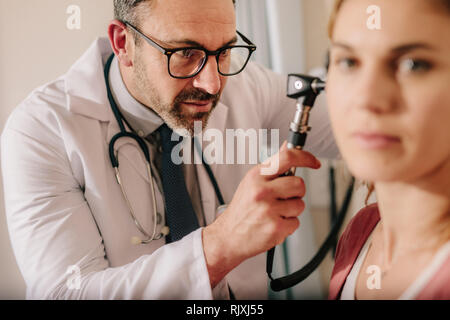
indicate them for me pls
(375, 140)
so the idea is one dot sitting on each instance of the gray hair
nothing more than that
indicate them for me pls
(126, 11)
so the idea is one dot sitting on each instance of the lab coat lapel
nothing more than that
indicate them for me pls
(209, 200)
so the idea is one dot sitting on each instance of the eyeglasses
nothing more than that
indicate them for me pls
(187, 62)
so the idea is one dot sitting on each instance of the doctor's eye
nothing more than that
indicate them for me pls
(189, 53)
(414, 66)
(225, 53)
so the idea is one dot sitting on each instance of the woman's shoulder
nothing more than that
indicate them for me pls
(361, 225)
(350, 244)
(438, 287)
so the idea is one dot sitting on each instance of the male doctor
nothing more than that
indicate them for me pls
(69, 222)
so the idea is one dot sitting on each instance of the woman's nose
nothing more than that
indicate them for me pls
(375, 90)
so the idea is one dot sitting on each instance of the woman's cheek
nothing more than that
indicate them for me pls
(337, 116)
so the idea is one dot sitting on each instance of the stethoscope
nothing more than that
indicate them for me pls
(113, 154)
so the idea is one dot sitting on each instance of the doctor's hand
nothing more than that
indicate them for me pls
(262, 214)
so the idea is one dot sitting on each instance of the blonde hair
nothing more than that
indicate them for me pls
(444, 4)
(333, 16)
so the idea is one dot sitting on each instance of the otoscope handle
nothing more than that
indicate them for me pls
(296, 140)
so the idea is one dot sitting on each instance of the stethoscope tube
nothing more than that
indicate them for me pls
(113, 155)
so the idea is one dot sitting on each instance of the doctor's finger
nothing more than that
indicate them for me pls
(288, 208)
(288, 226)
(281, 162)
(286, 187)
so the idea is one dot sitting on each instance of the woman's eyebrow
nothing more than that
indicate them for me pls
(341, 45)
(400, 49)
(405, 48)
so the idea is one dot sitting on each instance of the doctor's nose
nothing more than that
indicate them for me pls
(209, 79)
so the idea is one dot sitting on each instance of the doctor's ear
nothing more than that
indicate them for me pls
(122, 42)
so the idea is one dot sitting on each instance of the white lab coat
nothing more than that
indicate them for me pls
(64, 207)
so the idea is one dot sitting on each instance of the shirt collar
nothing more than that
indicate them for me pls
(141, 118)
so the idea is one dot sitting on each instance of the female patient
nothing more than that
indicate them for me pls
(389, 96)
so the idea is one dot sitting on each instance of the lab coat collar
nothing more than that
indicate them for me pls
(85, 86)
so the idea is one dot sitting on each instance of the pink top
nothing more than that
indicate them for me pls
(353, 240)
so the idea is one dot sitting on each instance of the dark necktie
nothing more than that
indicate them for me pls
(180, 215)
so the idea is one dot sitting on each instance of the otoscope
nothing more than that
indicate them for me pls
(306, 88)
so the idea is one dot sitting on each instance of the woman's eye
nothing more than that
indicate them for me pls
(411, 65)
(346, 63)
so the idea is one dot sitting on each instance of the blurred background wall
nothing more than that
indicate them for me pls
(39, 42)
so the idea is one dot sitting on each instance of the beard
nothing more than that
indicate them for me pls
(184, 123)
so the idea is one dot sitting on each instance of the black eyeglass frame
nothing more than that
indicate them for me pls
(169, 52)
